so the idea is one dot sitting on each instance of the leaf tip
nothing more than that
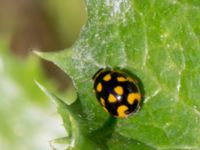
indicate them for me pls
(37, 52)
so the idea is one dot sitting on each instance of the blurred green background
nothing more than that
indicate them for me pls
(27, 118)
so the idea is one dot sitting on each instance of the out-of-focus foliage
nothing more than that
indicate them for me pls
(69, 16)
(24, 117)
(27, 119)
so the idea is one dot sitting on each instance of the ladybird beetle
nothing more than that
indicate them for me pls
(118, 93)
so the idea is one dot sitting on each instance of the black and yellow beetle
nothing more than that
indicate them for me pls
(117, 92)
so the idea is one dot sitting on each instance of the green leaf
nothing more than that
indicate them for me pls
(159, 42)
(72, 123)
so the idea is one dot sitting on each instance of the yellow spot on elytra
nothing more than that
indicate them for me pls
(99, 87)
(121, 79)
(121, 110)
(102, 101)
(132, 80)
(105, 109)
(107, 77)
(112, 98)
(132, 97)
(119, 90)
